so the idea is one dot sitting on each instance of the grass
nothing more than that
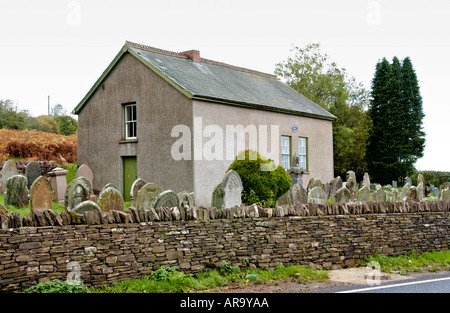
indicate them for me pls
(57, 207)
(171, 280)
(413, 262)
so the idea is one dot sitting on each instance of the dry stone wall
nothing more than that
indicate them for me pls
(105, 253)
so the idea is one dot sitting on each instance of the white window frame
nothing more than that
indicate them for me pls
(286, 152)
(130, 121)
(303, 152)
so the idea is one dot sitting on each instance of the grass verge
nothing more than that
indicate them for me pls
(171, 280)
(413, 262)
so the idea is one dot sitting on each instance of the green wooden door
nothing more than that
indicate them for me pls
(129, 175)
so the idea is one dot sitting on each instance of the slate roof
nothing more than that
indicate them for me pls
(218, 82)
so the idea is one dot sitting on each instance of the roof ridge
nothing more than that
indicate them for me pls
(184, 56)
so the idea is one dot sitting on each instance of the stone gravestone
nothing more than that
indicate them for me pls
(412, 194)
(166, 198)
(110, 199)
(334, 185)
(420, 191)
(86, 206)
(9, 169)
(408, 180)
(232, 189)
(404, 193)
(77, 191)
(135, 187)
(317, 183)
(185, 199)
(343, 195)
(363, 194)
(41, 194)
(16, 191)
(366, 180)
(59, 183)
(379, 194)
(299, 194)
(444, 193)
(32, 172)
(420, 179)
(393, 195)
(351, 184)
(294, 195)
(317, 195)
(85, 171)
(146, 195)
(217, 197)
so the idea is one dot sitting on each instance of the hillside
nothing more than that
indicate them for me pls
(32, 145)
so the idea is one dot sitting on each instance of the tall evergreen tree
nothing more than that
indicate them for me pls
(396, 139)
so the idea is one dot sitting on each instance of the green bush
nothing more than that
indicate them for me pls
(261, 185)
(57, 286)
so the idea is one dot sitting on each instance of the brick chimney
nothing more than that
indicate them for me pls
(194, 55)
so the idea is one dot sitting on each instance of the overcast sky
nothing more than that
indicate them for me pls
(60, 48)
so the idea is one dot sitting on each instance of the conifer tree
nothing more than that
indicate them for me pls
(396, 139)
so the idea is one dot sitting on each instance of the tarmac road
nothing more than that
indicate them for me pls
(423, 283)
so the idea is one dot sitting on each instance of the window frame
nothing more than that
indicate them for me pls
(284, 154)
(130, 120)
(305, 155)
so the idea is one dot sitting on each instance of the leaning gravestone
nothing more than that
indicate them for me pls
(317, 195)
(351, 184)
(16, 191)
(32, 172)
(41, 194)
(334, 187)
(232, 188)
(166, 198)
(363, 194)
(135, 187)
(146, 195)
(77, 191)
(85, 171)
(343, 195)
(404, 192)
(110, 199)
(9, 169)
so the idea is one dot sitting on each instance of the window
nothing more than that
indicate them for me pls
(302, 150)
(130, 121)
(286, 152)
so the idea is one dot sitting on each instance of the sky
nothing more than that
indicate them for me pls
(59, 48)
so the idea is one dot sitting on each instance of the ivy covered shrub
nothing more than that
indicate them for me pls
(263, 181)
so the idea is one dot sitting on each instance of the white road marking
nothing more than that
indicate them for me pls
(396, 285)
